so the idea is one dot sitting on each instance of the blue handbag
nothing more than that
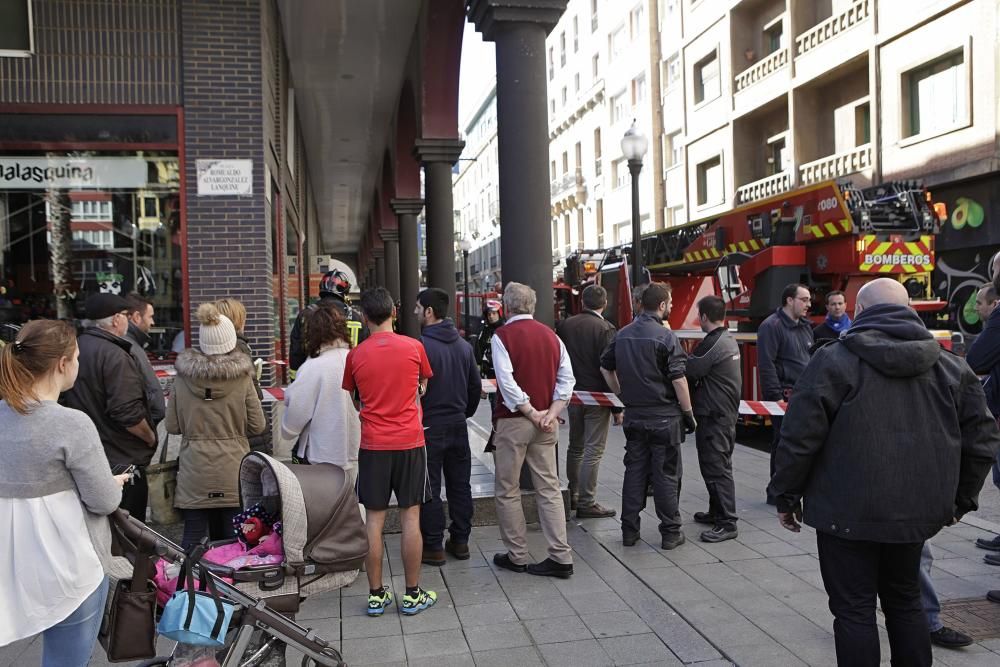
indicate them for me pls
(196, 616)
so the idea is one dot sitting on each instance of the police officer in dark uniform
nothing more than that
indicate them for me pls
(645, 366)
(714, 370)
(333, 289)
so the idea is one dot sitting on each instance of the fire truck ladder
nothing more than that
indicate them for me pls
(668, 246)
(896, 207)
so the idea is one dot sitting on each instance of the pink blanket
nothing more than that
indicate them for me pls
(234, 555)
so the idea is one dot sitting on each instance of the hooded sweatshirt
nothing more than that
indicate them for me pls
(887, 436)
(984, 357)
(214, 407)
(453, 393)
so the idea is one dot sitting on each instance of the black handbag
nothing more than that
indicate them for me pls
(128, 629)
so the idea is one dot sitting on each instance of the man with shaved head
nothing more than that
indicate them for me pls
(888, 439)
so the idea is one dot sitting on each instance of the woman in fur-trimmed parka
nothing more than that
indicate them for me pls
(214, 407)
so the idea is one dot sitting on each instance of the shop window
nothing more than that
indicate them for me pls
(16, 31)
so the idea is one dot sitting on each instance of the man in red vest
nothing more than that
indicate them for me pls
(535, 381)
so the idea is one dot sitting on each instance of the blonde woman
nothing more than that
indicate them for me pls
(237, 314)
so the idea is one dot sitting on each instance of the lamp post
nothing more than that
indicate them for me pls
(634, 145)
(465, 245)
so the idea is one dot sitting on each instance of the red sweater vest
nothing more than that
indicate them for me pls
(534, 354)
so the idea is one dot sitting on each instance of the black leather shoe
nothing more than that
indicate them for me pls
(672, 541)
(989, 544)
(993, 596)
(504, 561)
(456, 549)
(719, 534)
(949, 638)
(992, 559)
(629, 540)
(706, 518)
(550, 568)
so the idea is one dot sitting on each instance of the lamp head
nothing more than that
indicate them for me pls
(634, 143)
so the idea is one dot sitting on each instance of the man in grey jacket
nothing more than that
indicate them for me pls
(713, 371)
(783, 342)
(140, 321)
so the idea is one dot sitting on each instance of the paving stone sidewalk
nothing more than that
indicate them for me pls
(757, 600)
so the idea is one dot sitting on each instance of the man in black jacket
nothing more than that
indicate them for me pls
(586, 336)
(111, 391)
(783, 342)
(452, 396)
(140, 321)
(644, 365)
(713, 368)
(888, 439)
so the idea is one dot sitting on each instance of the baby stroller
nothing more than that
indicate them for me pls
(324, 544)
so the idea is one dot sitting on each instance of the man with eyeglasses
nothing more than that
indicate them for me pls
(783, 342)
(110, 389)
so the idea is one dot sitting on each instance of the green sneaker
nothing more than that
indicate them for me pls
(378, 603)
(416, 604)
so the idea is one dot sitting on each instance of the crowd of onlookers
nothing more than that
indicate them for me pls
(886, 439)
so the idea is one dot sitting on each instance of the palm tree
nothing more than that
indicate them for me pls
(61, 251)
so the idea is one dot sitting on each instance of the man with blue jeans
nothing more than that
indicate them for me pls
(452, 397)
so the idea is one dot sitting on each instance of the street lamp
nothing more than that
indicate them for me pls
(465, 245)
(634, 145)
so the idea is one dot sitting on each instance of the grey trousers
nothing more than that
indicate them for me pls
(519, 442)
(588, 433)
(928, 596)
(715, 441)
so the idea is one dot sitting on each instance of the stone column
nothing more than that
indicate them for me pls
(409, 262)
(519, 32)
(379, 266)
(438, 156)
(390, 246)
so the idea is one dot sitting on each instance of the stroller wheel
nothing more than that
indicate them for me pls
(330, 652)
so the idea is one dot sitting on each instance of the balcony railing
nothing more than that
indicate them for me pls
(569, 180)
(832, 27)
(835, 166)
(764, 188)
(764, 68)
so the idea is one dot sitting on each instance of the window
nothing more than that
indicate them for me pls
(616, 43)
(576, 34)
(706, 78)
(552, 63)
(862, 124)
(673, 150)
(639, 90)
(565, 162)
(553, 170)
(579, 229)
(562, 49)
(774, 36)
(566, 240)
(594, 64)
(552, 106)
(599, 213)
(576, 82)
(635, 21)
(578, 153)
(710, 181)
(17, 36)
(555, 236)
(597, 151)
(675, 216)
(776, 155)
(290, 137)
(671, 74)
(619, 108)
(593, 15)
(564, 97)
(935, 96)
(619, 173)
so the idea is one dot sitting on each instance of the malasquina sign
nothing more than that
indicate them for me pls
(224, 177)
(72, 173)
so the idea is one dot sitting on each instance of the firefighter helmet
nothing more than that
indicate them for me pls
(493, 305)
(334, 282)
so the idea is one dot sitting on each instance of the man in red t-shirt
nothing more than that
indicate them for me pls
(389, 372)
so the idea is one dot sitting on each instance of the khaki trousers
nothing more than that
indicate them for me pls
(517, 442)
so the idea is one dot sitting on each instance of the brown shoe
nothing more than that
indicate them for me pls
(456, 549)
(595, 511)
(433, 558)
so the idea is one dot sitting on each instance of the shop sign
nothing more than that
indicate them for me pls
(225, 177)
(73, 173)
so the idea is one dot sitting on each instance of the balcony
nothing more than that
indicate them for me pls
(832, 27)
(568, 191)
(758, 71)
(764, 188)
(836, 166)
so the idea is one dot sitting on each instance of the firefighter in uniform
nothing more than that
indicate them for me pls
(713, 371)
(333, 289)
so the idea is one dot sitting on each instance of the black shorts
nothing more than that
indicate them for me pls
(382, 473)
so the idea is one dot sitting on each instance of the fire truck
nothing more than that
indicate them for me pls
(828, 236)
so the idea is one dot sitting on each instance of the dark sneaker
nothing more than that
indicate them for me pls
(629, 540)
(672, 541)
(459, 550)
(550, 568)
(378, 603)
(949, 638)
(992, 559)
(989, 544)
(435, 558)
(417, 603)
(595, 511)
(719, 534)
(504, 561)
(706, 518)
(993, 596)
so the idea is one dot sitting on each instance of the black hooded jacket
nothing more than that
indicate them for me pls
(887, 436)
(453, 393)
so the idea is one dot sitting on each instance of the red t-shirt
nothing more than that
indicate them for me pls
(386, 369)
